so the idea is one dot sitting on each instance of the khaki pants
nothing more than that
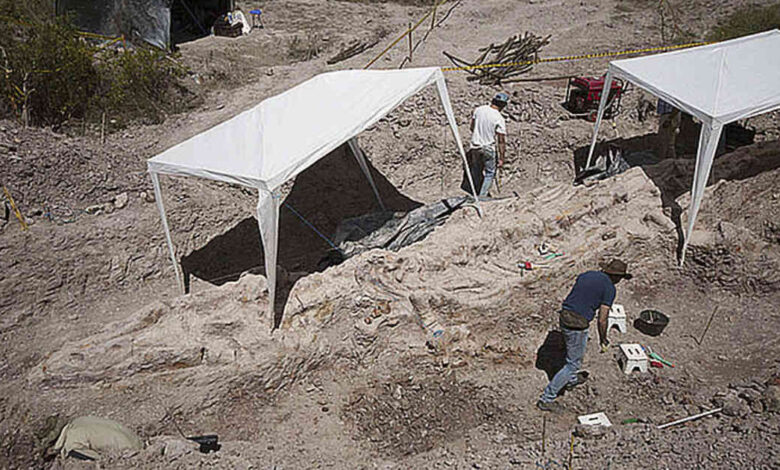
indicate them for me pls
(667, 134)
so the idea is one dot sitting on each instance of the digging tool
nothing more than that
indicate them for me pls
(655, 356)
(661, 360)
(528, 266)
(690, 418)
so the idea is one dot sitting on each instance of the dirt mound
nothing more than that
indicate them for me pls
(735, 259)
(47, 171)
(674, 177)
(754, 206)
(455, 300)
(215, 329)
(734, 244)
(414, 414)
(446, 309)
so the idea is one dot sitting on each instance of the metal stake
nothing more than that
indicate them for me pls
(411, 46)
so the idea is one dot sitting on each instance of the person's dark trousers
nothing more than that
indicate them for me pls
(476, 166)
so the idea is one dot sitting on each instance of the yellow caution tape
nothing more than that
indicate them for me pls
(16, 210)
(408, 32)
(575, 57)
(111, 42)
(87, 34)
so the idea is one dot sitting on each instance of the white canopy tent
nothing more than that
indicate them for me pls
(718, 83)
(267, 145)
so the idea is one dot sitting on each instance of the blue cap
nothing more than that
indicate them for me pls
(501, 97)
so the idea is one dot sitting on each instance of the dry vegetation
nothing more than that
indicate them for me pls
(747, 20)
(54, 75)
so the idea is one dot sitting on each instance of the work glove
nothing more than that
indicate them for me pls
(605, 347)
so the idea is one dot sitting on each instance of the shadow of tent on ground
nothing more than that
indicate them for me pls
(331, 190)
(674, 177)
(629, 146)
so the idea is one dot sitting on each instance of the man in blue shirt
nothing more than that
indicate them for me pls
(593, 292)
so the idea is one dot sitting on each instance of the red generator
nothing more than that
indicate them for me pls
(583, 95)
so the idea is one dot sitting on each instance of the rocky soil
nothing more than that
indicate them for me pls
(431, 357)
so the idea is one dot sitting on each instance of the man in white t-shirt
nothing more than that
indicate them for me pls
(488, 137)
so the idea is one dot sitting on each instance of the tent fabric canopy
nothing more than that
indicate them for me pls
(718, 83)
(279, 138)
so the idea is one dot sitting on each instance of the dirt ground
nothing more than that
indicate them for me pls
(91, 322)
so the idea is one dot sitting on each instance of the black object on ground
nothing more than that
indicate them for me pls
(388, 230)
(605, 166)
(208, 443)
(651, 322)
(79, 456)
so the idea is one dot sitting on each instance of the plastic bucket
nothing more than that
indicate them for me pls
(651, 322)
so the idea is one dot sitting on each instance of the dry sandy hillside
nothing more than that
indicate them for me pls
(91, 322)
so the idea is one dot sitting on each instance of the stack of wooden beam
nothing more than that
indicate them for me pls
(511, 58)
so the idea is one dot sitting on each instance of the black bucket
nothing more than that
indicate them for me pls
(208, 443)
(651, 322)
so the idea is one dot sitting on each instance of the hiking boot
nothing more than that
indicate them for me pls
(552, 406)
(582, 377)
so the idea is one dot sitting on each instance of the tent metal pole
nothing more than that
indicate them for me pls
(361, 159)
(441, 85)
(708, 146)
(268, 222)
(168, 240)
(602, 106)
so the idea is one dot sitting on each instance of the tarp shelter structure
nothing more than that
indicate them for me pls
(271, 143)
(160, 23)
(717, 83)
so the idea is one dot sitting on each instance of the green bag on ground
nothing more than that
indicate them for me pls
(90, 435)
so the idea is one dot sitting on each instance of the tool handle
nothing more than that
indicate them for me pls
(661, 360)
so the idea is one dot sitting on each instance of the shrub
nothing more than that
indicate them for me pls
(747, 20)
(139, 84)
(50, 73)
